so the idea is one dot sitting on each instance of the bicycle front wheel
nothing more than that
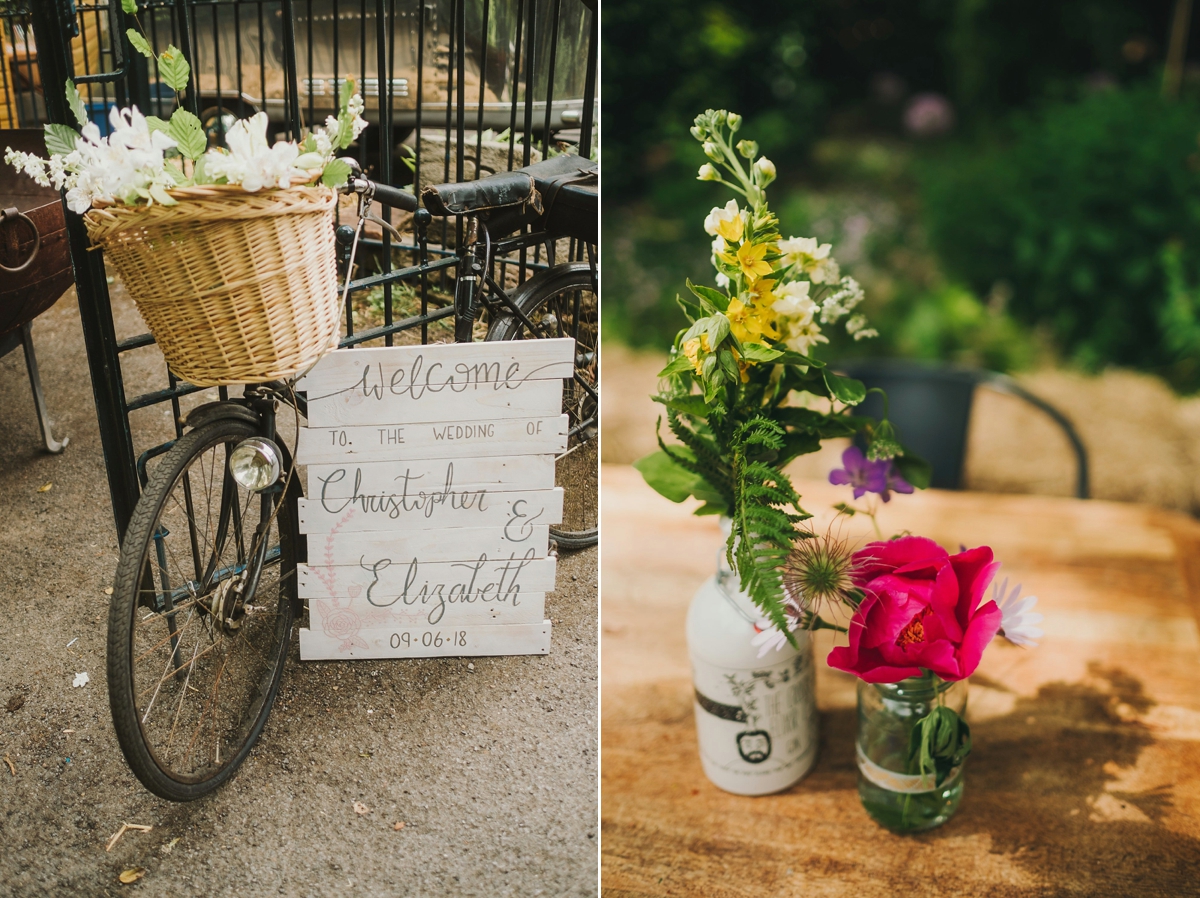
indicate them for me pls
(561, 302)
(200, 617)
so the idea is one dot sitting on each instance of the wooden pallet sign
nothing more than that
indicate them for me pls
(430, 497)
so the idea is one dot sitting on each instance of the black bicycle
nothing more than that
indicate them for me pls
(205, 592)
(556, 201)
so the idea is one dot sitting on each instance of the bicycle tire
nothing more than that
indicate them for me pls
(561, 301)
(237, 604)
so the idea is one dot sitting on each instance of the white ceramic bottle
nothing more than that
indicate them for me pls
(756, 718)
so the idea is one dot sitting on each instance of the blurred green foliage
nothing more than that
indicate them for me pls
(868, 207)
(1059, 216)
(1004, 54)
(795, 69)
(1075, 214)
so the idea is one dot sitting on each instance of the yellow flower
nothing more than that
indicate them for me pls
(692, 349)
(762, 293)
(750, 260)
(751, 323)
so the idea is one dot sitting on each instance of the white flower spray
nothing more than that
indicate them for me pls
(143, 157)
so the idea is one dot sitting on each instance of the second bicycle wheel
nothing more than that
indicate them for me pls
(561, 302)
(200, 617)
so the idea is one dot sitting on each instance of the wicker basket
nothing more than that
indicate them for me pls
(236, 287)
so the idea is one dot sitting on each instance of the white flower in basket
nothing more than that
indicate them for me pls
(144, 157)
(254, 163)
(164, 207)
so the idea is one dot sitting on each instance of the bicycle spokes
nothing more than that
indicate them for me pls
(208, 623)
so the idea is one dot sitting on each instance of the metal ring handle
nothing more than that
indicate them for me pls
(12, 214)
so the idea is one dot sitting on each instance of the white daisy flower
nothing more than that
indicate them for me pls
(767, 637)
(1018, 620)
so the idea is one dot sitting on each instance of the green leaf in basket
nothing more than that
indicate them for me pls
(199, 175)
(76, 104)
(154, 123)
(185, 130)
(60, 139)
(129, 7)
(336, 173)
(173, 68)
(160, 195)
(344, 135)
(139, 43)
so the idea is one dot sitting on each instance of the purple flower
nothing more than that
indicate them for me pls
(869, 476)
(894, 482)
(865, 476)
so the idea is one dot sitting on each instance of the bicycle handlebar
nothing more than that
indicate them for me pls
(385, 194)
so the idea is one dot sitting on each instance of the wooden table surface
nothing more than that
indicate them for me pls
(1085, 778)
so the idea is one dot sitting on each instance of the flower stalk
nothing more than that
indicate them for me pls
(743, 376)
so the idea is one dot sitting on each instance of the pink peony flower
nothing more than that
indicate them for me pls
(921, 610)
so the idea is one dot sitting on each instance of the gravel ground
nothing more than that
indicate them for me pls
(492, 770)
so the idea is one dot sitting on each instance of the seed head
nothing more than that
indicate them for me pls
(818, 575)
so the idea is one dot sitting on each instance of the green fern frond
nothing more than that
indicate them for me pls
(704, 448)
(763, 531)
(709, 464)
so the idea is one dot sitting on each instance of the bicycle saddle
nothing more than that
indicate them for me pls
(558, 195)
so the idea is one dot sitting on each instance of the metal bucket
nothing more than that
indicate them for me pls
(35, 259)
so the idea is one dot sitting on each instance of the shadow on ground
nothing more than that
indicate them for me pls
(1048, 796)
(492, 769)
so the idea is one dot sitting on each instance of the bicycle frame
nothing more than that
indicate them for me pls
(129, 79)
(259, 400)
(477, 260)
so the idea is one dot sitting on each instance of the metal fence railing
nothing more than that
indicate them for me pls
(455, 90)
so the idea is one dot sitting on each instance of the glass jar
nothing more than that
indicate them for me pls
(892, 791)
